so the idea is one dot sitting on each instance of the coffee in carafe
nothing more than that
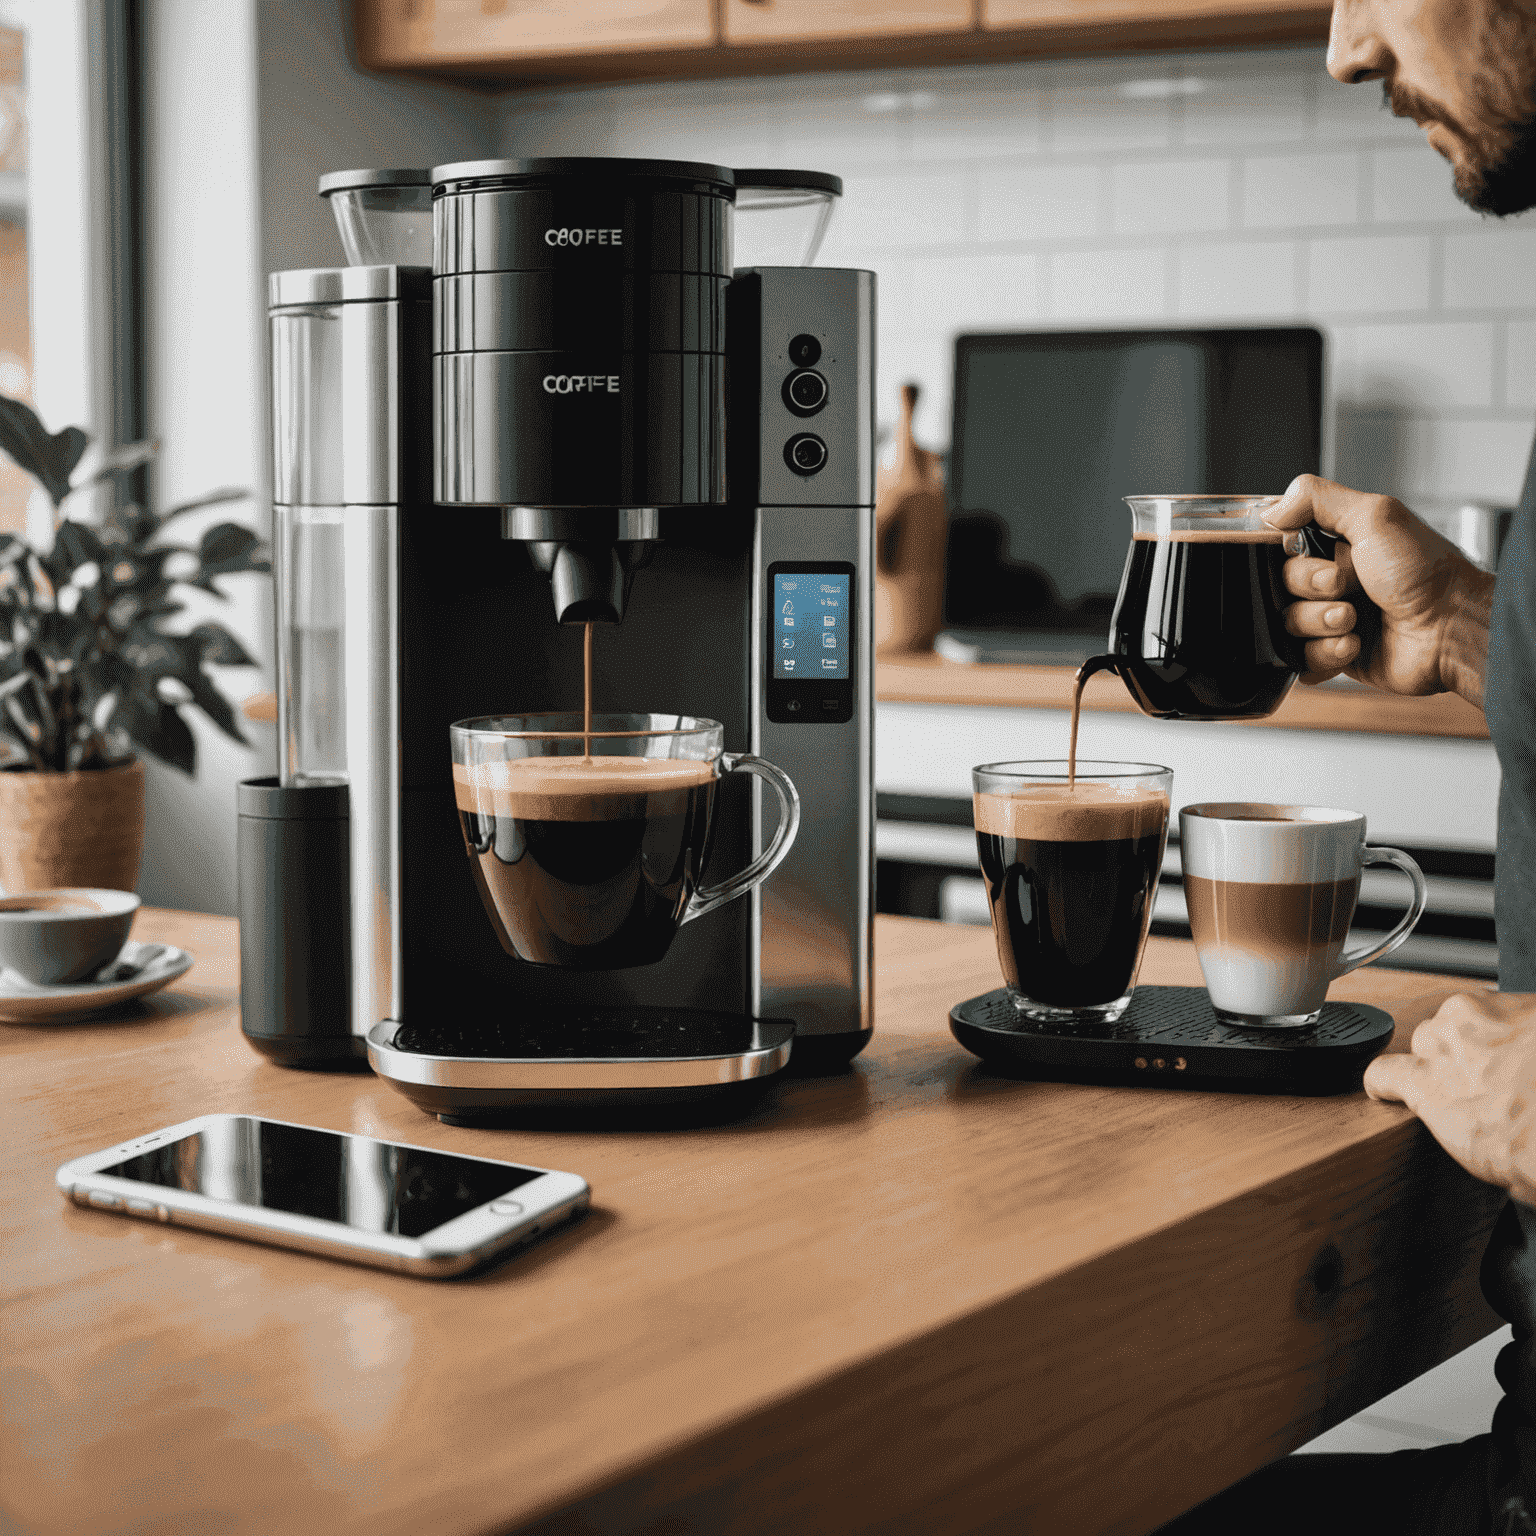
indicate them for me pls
(1199, 626)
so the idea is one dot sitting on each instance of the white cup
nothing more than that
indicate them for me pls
(1271, 890)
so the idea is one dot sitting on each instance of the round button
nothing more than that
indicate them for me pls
(805, 392)
(805, 453)
(506, 1208)
(805, 351)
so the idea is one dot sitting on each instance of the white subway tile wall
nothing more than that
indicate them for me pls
(1225, 188)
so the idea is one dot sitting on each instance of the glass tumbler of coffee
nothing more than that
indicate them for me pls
(1071, 867)
(1271, 892)
(588, 842)
(1198, 631)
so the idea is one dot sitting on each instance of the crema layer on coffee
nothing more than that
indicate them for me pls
(1212, 536)
(577, 788)
(1085, 813)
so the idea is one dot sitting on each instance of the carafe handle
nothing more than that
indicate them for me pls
(707, 898)
(1353, 961)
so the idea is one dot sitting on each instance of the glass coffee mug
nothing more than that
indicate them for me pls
(1271, 891)
(588, 848)
(1198, 631)
(1071, 873)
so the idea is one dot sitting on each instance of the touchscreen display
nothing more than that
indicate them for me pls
(811, 627)
(374, 1186)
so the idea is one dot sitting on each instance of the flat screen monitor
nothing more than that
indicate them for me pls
(1052, 428)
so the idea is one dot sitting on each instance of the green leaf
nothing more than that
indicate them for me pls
(155, 725)
(227, 548)
(50, 460)
(214, 705)
(220, 648)
(79, 545)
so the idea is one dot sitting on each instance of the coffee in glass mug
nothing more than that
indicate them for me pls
(1071, 868)
(588, 836)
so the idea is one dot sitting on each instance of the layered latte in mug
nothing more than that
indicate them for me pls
(1271, 892)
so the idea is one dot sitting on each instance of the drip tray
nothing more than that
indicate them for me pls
(569, 1058)
(1170, 1038)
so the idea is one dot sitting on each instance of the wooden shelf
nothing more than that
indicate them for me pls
(929, 679)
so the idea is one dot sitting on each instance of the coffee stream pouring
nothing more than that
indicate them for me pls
(582, 414)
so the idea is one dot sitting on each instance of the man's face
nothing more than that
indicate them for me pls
(1465, 70)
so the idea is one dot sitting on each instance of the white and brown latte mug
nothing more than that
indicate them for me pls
(1271, 891)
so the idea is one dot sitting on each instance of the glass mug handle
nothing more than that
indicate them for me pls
(1352, 961)
(708, 897)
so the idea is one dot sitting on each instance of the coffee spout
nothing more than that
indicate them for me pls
(590, 555)
(589, 582)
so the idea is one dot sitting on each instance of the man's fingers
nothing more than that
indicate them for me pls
(1336, 508)
(1308, 577)
(1394, 1078)
(1328, 657)
(1317, 620)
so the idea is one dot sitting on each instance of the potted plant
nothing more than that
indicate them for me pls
(91, 669)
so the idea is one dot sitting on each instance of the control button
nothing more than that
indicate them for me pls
(805, 393)
(103, 1200)
(141, 1207)
(805, 351)
(161, 1214)
(506, 1208)
(793, 706)
(805, 453)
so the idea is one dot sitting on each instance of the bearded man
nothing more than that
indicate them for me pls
(1402, 609)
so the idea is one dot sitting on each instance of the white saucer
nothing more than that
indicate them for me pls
(21, 1002)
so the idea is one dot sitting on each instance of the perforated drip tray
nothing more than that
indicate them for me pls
(558, 1058)
(1170, 1037)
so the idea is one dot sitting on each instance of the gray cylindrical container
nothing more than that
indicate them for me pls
(295, 904)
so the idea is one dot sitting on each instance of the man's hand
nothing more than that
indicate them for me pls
(1470, 1076)
(1398, 607)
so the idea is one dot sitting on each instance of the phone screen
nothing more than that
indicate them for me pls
(372, 1186)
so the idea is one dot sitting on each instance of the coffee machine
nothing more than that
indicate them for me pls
(580, 412)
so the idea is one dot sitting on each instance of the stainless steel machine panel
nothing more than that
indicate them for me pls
(816, 913)
(837, 309)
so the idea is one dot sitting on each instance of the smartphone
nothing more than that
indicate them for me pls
(384, 1203)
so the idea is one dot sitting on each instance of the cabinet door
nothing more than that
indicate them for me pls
(1132, 19)
(790, 21)
(421, 34)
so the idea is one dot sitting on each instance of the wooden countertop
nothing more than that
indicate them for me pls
(911, 1297)
(929, 679)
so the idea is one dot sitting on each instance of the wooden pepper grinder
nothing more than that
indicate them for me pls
(911, 528)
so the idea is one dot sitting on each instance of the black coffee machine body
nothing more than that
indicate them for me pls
(581, 413)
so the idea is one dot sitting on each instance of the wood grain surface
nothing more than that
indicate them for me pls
(516, 41)
(913, 1297)
(801, 21)
(931, 679)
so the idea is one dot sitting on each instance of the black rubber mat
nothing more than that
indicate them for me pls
(1170, 1037)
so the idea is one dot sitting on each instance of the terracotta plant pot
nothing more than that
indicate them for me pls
(72, 829)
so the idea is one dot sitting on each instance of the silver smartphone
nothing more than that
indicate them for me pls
(384, 1203)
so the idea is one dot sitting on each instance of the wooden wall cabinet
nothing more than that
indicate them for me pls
(767, 22)
(511, 41)
(1111, 24)
(497, 37)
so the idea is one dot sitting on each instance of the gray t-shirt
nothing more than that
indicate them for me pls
(1509, 1266)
